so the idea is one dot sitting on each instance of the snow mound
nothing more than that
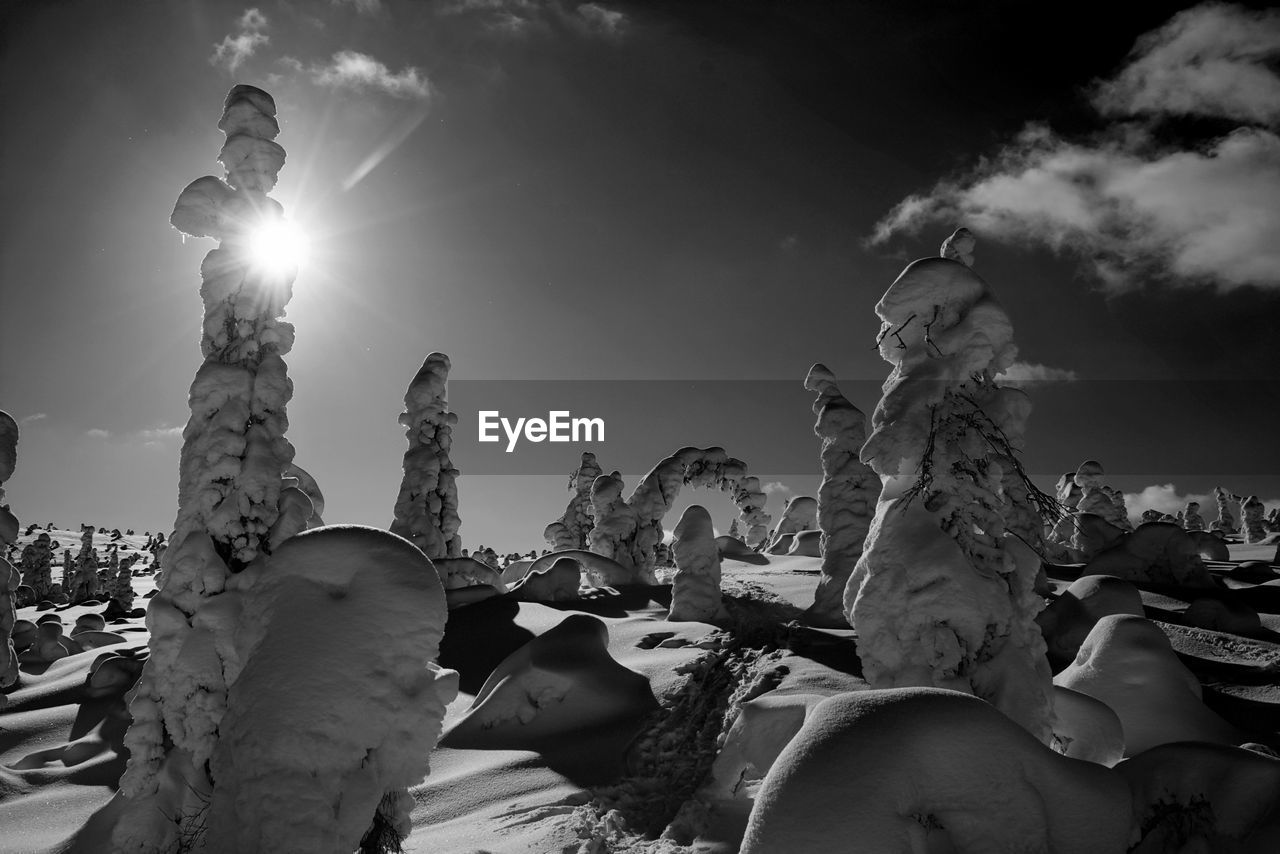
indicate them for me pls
(1067, 621)
(337, 700)
(1223, 616)
(1086, 728)
(908, 770)
(1128, 663)
(1204, 797)
(808, 544)
(552, 690)
(558, 582)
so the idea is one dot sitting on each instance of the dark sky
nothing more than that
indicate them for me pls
(561, 192)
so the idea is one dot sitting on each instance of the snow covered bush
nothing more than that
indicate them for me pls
(426, 511)
(940, 597)
(1191, 518)
(846, 498)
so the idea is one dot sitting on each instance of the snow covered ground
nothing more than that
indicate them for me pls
(599, 725)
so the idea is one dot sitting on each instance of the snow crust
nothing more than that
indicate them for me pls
(426, 511)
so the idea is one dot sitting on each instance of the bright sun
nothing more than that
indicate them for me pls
(278, 247)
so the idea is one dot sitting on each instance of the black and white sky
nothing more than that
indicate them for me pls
(659, 213)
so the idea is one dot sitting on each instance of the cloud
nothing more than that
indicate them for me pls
(97, 433)
(1031, 373)
(349, 69)
(1206, 61)
(156, 435)
(1166, 498)
(1131, 209)
(599, 21)
(35, 416)
(777, 487)
(233, 50)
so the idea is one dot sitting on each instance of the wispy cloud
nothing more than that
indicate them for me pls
(1131, 208)
(33, 417)
(97, 433)
(1031, 373)
(1208, 61)
(777, 487)
(349, 69)
(364, 7)
(522, 18)
(237, 47)
(156, 435)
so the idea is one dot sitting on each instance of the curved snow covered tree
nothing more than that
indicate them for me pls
(939, 597)
(232, 475)
(427, 507)
(846, 498)
(629, 530)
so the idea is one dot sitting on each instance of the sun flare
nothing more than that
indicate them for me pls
(278, 247)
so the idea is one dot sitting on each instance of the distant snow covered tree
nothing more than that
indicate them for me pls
(426, 512)
(629, 530)
(846, 498)
(578, 518)
(940, 596)
(695, 591)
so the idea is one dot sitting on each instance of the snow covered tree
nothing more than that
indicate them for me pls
(695, 591)
(941, 596)
(426, 512)
(578, 518)
(232, 474)
(846, 498)
(9, 577)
